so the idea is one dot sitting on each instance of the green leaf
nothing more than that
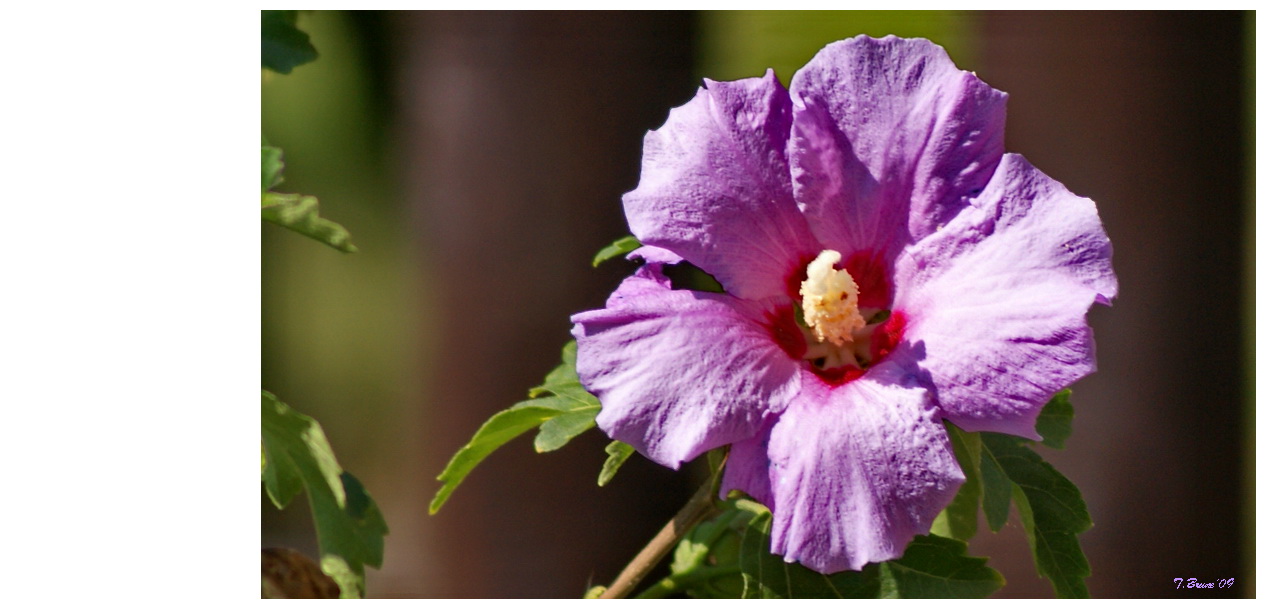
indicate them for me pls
(936, 567)
(558, 431)
(706, 561)
(297, 212)
(349, 579)
(350, 528)
(617, 453)
(284, 46)
(996, 491)
(959, 518)
(1055, 424)
(932, 567)
(716, 459)
(1051, 509)
(561, 408)
(293, 442)
(281, 480)
(271, 167)
(301, 214)
(768, 576)
(686, 276)
(561, 377)
(693, 549)
(620, 247)
(577, 407)
(501, 428)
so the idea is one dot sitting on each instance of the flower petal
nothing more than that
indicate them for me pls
(857, 471)
(681, 372)
(889, 141)
(998, 299)
(715, 188)
(654, 260)
(747, 469)
(654, 255)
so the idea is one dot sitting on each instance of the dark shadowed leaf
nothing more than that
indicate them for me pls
(995, 491)
(1055, 424)
(959, 518)
(937, 567)
(284, 46)
(1050, 507)
(271, 167)
(686, 276)
(932, 567)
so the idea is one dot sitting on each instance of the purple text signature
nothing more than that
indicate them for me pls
(1192, 582)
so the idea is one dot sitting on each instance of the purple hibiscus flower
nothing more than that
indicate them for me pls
(885, 265)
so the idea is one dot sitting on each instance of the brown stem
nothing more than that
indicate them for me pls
(700, 506)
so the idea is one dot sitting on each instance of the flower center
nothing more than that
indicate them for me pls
(829, 301)
(836, 329)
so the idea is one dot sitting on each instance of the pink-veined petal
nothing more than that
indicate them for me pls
(747, 468)
(681, 372)
(654, 255)
(998, 299)
(857, 471)
(715, 188)
(889, 141)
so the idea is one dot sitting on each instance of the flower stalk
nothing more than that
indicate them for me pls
(700, 507)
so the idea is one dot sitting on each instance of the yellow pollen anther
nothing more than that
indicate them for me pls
(830, 300)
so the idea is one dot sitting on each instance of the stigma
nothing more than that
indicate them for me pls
(829, 301)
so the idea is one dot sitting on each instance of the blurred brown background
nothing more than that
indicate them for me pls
(478, 160)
